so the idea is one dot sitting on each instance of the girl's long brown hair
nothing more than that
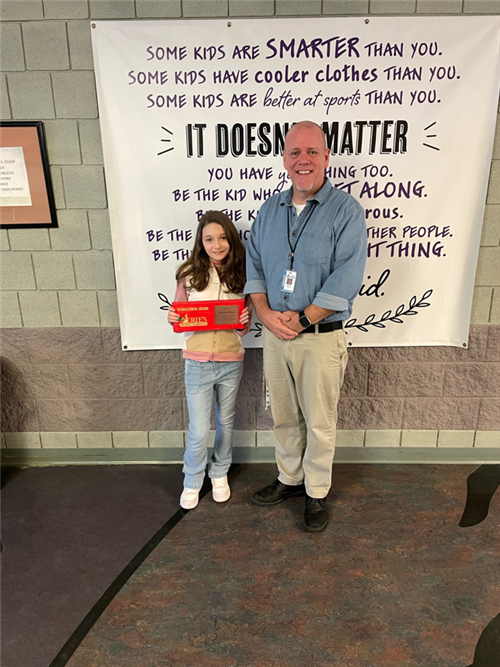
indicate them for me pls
(196, 268)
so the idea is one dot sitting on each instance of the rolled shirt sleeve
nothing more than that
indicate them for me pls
(343, 284)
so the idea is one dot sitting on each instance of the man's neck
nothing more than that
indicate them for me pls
(301, 198)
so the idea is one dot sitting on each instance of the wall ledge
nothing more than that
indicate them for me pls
(168, 455)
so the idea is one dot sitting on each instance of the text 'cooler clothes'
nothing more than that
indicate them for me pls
(326, 246)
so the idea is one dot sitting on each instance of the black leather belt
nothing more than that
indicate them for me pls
(323, 328)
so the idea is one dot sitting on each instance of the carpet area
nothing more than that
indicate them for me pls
(67, 533)
(393, 580)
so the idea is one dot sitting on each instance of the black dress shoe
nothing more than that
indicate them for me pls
(276, 493)
(316, 514)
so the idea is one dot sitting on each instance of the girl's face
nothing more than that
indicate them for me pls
(215, 242)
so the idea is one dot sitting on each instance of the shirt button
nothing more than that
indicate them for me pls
(293, 233)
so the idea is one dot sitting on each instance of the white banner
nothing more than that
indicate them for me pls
(193, 117)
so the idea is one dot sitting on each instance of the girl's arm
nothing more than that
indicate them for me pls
(246, 317)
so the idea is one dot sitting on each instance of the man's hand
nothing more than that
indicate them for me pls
(276, 322)
(314, 313)
(293, 321)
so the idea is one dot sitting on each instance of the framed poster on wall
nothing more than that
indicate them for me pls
(26, 196)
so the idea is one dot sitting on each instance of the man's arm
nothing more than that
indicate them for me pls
(343, 284)
(314, 313)
(345, 280)
(256, 287)
(273, 320)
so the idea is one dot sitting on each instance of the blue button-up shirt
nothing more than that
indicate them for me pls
(329, 257)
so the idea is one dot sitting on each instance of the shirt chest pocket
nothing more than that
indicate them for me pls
(314, 248)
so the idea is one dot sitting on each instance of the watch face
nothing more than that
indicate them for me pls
(304, 321)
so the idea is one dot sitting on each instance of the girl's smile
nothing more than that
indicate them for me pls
(215, 242)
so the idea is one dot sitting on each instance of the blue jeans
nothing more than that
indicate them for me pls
(202, 378)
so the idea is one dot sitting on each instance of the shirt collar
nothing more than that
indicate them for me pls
(214, 273)
(321, 196)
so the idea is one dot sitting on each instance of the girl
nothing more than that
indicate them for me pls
(214, 359)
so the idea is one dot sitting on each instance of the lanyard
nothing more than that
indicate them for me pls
(292, 249)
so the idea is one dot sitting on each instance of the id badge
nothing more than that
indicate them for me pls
(289, 278)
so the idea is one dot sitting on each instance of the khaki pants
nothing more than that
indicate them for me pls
(304, 376)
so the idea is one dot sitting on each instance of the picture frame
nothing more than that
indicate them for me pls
(26, 194)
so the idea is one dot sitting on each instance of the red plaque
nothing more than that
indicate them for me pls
(208, 315)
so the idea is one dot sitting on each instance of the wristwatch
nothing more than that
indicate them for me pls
(304, 321)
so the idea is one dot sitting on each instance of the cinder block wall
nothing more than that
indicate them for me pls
(67, 384)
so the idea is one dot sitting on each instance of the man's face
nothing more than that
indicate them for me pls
(305, 158)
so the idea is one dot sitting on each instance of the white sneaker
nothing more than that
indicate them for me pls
(189, 498)
(220, 489)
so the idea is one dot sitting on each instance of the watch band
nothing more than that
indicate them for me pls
(304, 321)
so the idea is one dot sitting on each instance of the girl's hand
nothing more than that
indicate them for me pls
(245, 320)
(245, 316)
(172, 316)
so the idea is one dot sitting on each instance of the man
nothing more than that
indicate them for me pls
(305, 262)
